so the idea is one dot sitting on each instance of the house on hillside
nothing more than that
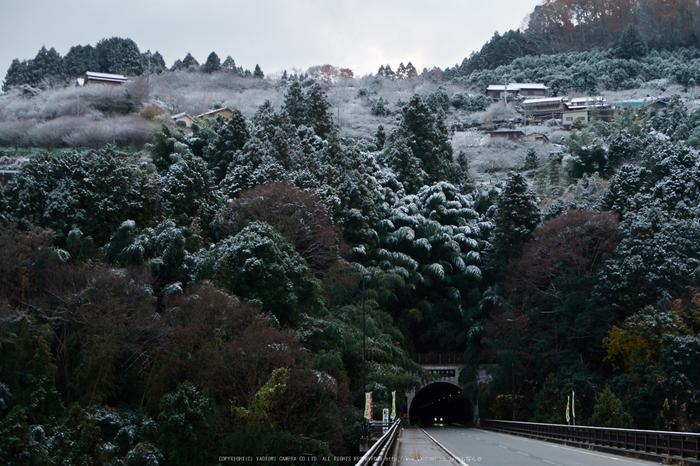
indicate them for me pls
(225, 112)
(538, 137)
(496, 91)
(509, 134)
(182, 119)
(568, 118)
(517, 135)
(530, 89)
(92, 77)
(580, 104)
(545, 108)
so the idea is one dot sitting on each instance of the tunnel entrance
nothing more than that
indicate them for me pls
(441, 403)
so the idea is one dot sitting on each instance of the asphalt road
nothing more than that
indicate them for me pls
(483, 448)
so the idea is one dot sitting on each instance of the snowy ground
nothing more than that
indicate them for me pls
(351, 102)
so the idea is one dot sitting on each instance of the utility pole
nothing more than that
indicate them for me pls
(148, 77)
(364, 352)
(512, 364)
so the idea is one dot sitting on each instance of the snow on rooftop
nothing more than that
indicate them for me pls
(588, 100)
(109, 76)
(543, 100)
(516, 86)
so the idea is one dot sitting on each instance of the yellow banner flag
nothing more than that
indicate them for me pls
(393, 406)
(368, 406)
(568, 398)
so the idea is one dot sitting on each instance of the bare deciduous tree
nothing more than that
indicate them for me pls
(299, 215)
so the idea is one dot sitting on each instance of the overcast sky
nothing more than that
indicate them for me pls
(276, 34)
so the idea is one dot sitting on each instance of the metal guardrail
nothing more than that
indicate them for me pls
(681, 444)
(381, 451)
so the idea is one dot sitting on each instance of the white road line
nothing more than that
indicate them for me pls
(454, 457)
(551, 462)
(522, 453)
(613, 458)
(504, 447)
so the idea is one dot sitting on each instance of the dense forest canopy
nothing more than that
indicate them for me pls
(171, 294)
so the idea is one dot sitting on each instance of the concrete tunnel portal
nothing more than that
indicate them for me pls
(441, 403)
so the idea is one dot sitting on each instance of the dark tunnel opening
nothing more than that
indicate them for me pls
(441, 403)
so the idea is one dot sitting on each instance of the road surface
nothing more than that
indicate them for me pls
(477, 447)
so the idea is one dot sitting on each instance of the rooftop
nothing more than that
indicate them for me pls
(105, 76)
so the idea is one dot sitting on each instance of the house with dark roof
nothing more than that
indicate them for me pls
(496, 91)
(545, 108)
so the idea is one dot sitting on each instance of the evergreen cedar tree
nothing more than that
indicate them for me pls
(212, 64)
(119, 56)
(517, 215)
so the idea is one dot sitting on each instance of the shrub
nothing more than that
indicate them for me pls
(151, 111)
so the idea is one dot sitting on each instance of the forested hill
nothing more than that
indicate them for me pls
(626, 28)
(170, 295)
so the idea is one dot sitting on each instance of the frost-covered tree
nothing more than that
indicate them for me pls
(19, 444)
(258, 73)
(411, 71)
(318, 111)
(380, 137)
(310, 108)
(78, 441)
(517, 214)
(229, 64)
(500, 50)
(379, 107)
(259, 265)
(186, 426)
(438, 100)
(47, 67)
(212, 64)
(398, 156)
(657, 204)
(294, 103)
(299, 215)
(425, 134)
(95, 192)
(165, 249)
(80, 59)
(432, 243)
(588, 154)
(231, 135)
(631, 45)
(188, 189)
(189, 63)
(117, 55)
(153, 61)
(17, 74)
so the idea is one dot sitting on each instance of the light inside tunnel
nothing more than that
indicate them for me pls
(441, 403)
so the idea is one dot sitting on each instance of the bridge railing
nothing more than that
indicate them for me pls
(682, 444)
(380, 452)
